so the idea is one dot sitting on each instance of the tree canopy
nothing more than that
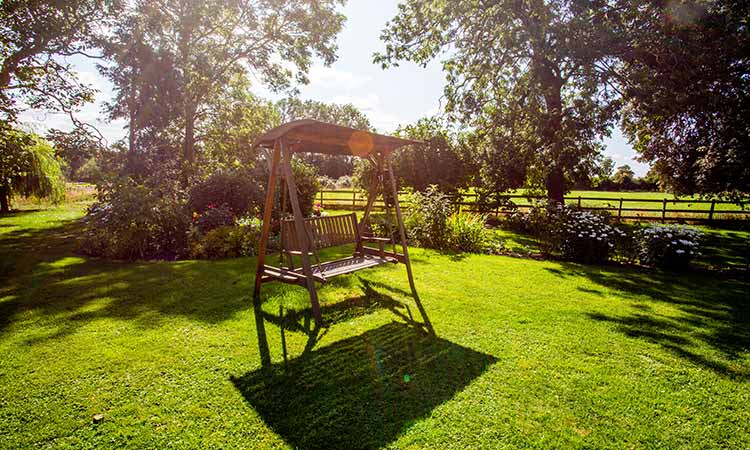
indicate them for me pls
(525, 75)
(34, 37)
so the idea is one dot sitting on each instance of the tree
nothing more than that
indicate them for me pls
(348, 115)
(606, 168)
(624, 175)
(687, 94)
(233, 119)
(210, 42)
(27, 167)
(529, 77)
(74, 148)
(443, 160)
(34, 36)
(146, 91)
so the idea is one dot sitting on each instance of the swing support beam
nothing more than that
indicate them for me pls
(308, 136)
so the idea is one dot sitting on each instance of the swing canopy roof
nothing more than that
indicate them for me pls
(311, 136)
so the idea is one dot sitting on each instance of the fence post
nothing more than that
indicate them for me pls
(354, 200)
(321, 199)
(579, 202)
(619, 209)
(711, 213)
(664, 211)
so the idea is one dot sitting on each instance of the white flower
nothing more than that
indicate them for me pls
(679, 251)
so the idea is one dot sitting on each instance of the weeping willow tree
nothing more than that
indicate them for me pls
(28, 167)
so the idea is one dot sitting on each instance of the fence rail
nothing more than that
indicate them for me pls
(625, 208)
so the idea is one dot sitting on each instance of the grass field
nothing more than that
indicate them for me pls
(527, 354)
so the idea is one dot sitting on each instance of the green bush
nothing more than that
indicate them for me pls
(135, 221)
(467, 233)
(667, 246)
(575, 235)
(427, 223)
(213, 217)
(238, 190)
(227, 241)
(306, 178)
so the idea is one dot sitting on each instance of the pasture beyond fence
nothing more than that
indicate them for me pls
(624, 207)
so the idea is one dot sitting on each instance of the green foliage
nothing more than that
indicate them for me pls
(427, 222)
(239, 190)
(234, 117)
(33, 36)
(443, 161)
(467, 233)
(28, 167)
(668, 246)
(201, 46)
(227, 241)
(575, 235)
(136, 221)
(212, 217)
(687, 94)
(75, 149)
(530, 77)
(306, 178)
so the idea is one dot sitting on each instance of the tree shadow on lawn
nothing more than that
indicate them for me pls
(712, 329)
(40, 274)
(362, 391)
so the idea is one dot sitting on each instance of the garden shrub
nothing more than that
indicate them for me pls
(667, 246)
(239, 190)
(575, 235)
(467, 233)
(427, 223)
(326, 182)
(134, 221)
(344, 182)
(581, 236)
(226, 242)
(306, 178)
(213, 217)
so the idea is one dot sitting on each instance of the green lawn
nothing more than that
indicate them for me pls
(527, 354)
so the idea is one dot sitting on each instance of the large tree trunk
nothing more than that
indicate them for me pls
(188, 146)
(4, 200)
(556, 186)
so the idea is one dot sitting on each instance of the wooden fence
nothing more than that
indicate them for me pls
(625, 208)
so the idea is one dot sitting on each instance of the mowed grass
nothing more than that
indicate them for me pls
(526, 354)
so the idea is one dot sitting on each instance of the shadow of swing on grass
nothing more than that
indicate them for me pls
(362, 391)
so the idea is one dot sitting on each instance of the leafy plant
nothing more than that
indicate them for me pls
(132, 221)
(467, 233)
(229, 241)
(668, 246)
(427, 222)
(581, 236)
(213, 217)
(237, 190)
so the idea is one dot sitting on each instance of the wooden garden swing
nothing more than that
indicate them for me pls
(303, 237)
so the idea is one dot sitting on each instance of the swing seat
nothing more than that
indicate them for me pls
(326, 232)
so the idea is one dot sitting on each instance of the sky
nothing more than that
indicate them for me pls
(391, 97)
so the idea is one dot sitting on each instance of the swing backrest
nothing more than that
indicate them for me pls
(328, 231)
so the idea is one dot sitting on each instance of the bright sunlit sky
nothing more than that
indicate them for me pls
(388, 97)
